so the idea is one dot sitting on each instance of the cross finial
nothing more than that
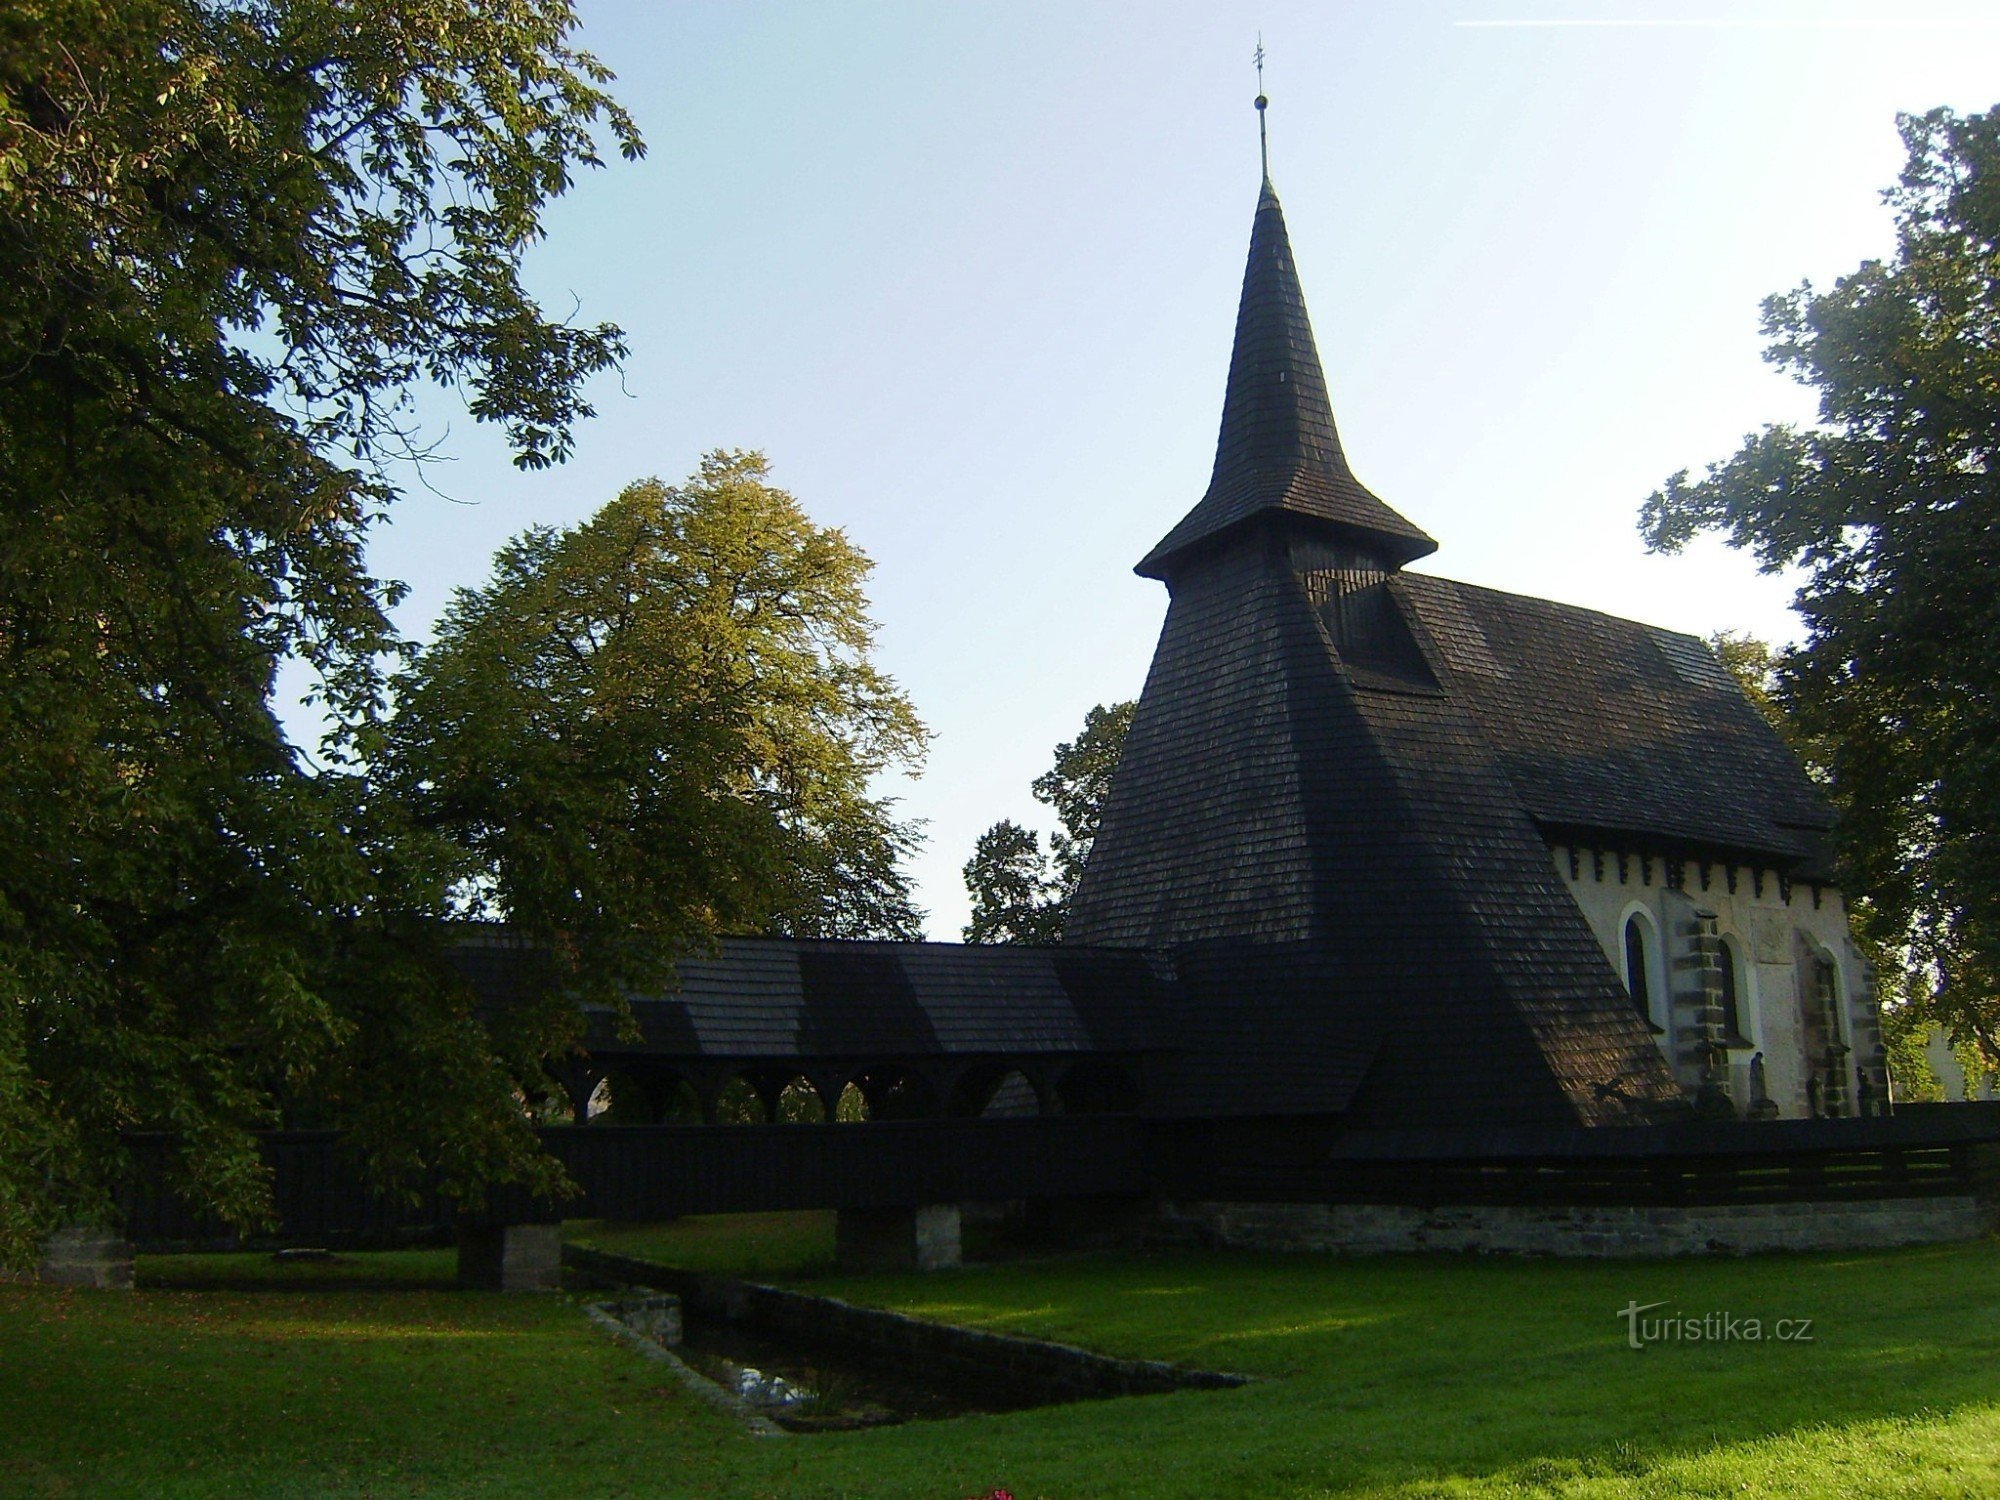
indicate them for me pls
(1263, 141)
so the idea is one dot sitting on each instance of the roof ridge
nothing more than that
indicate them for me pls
(1556, 604)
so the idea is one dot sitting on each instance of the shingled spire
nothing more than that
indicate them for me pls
(1278, 453)
(1310, 820)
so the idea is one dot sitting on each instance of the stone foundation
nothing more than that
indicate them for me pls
(651, 1315)
(1507, 1229)
(510, 1257)
(925, 1238)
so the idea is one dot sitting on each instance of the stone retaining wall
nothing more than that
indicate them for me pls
(82, 1256)
(1506, 1229)
(1059, 1368)
(651, 1315)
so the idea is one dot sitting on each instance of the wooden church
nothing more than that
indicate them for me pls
(1383, 851)
(1420, 916)
(1508, 859)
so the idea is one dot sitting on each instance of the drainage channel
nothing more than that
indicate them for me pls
(804, 1363)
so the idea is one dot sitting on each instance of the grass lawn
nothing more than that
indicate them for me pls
(755, 1245)
(1390, 1378)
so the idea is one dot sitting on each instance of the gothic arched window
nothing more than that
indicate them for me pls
(1637, 969)
(1732, 1005)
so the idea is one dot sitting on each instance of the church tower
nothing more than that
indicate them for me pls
(1309, 822)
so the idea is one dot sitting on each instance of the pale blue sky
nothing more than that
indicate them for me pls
(967, 274)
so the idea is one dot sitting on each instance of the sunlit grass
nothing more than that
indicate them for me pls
(1394, 1379)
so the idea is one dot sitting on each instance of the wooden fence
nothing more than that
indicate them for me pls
(643, 1172)
(662, 1171)
(1725, 1162)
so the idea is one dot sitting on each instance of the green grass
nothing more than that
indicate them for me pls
(778, 1244)
(1398, 1378)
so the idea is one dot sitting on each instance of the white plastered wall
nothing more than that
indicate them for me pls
(1777, 934)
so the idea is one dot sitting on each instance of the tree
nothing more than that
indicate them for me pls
(662, 725)
(1076, 786)
(1887, 504)
(1020, 894)
(234, 234)
(1015, 898)
(1753, 664)
(1907, 1021)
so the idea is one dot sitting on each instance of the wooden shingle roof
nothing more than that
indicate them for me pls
(773, 999)
(1273, 792)
(1278, 450)
(1607, 727)
(1338, 763)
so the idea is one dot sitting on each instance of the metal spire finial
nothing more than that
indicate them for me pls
(1263, 141)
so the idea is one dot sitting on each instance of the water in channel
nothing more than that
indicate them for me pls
(812, 1386)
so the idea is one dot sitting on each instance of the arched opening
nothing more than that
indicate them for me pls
(1826, 998)
(994, 1090)
(799, 1103)
(1824, 1034)
(639, 1093)
(1639, 966)
(893, 1093)
(566, 1094)
(1012, 1098)
(1734, 1032)
(738, 1104)
(678, 1103)
(851, 1108)
(1095, 1087)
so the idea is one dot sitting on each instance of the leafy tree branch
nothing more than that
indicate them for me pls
(1887, 504)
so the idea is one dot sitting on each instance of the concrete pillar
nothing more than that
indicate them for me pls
(510, 1257)
(925, 1238)
(86, 1255)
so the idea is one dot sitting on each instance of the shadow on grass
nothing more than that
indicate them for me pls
(248, 1271)
(1454, 1375)
(1394, 1378)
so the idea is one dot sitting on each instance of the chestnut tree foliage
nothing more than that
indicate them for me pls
(234, 235)
(1890, 505)
(661, 725)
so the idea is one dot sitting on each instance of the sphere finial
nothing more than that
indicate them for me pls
(1263, 141)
